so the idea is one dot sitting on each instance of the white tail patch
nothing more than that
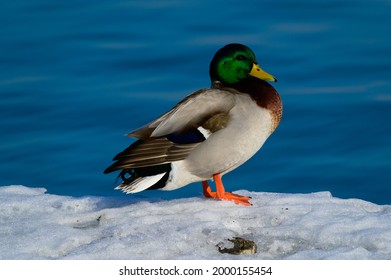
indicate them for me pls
(140, 184)
(206, 133)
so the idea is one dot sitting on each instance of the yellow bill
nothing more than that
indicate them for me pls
(257, 72)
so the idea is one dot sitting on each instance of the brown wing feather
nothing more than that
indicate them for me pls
(153, 151)
(191, 112)
(208, 108)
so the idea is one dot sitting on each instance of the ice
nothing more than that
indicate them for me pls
(38, 225)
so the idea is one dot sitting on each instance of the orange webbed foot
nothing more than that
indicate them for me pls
(221, 194)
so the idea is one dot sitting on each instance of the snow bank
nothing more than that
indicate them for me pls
(36, 225)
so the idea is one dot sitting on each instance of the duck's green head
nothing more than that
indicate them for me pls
(234, 63)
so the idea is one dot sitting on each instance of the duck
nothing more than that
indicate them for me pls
(207, 134)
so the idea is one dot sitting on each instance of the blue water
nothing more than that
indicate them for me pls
(75, 76)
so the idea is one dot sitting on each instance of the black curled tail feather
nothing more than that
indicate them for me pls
(133, 176)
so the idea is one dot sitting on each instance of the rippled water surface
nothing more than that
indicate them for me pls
(75, 76)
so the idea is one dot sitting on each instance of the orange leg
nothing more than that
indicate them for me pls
(206, 189)
(221, 194)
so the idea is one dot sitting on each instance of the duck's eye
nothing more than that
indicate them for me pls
(240, 57)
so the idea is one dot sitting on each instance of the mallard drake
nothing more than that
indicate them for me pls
(207, 134)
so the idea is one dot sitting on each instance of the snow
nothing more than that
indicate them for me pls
(37, 225)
